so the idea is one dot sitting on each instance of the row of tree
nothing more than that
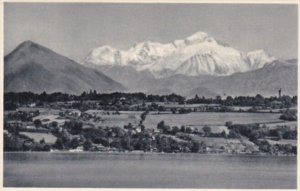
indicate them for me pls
(12, 99)
(257, 100)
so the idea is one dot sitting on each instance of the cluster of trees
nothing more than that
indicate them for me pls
(18, 142)
(114, 137)
(289, 115)
(73, 135)
(21, 115)
(257, 100)
(266, 147)
(260, 134)
(12, 99)
(183, 131)
(166, 129)
(255, 132)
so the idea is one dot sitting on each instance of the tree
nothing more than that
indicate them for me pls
(188, 130)
(143, 116)
(259, 100)
(287, 101)
(173, 110)
(207, 130)
(37, 122)
(161, 124)
(289, 115)
(229, 101)
(87, 145)
(264, 146)
(164, 144)
(195, 146)
(58, 144)
(223, 134)
(175, 129)
(196, 98)
(142, 128)
(74, 143)
(42, 141)
(126, 143)
(129, 126)
(183, 129)
(218, 99)
(294, 100)
(228, 123)
(279, 135)
(54, 124)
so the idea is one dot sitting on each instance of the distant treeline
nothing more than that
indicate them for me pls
(257, 100)
(28, 97)
(12, 98)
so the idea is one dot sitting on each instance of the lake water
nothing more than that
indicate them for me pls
(210, 118)
(116, 170)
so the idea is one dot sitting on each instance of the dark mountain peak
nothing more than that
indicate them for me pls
(33, 67)
(26, 47)
(28, 44)
(31, 52)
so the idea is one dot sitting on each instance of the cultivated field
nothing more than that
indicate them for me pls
(209, 118)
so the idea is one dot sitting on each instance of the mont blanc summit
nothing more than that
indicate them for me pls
(198, 54)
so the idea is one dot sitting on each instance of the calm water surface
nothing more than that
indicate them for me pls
(117, 170)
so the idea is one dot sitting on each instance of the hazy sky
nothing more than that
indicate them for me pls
(74, 29)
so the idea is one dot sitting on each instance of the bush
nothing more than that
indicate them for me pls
(289, 115)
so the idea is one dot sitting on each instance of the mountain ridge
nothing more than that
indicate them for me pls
(203, 54)
(33, 67)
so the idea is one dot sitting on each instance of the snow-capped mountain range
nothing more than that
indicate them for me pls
(198, 54)
(33, 67)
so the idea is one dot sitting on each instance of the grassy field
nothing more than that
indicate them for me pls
(212, 140)
(42, 110)
(209, 118)
(283, 142)
(49, 138)
(292, 124)
(119, 120)
(49, 118)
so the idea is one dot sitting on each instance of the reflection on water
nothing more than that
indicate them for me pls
(116, 170)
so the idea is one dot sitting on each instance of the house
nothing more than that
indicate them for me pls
(99, 147)
(30, 128)
(72, 113)
(14, 123)
(78, 149)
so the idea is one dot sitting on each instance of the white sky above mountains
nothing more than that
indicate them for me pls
(74, 29)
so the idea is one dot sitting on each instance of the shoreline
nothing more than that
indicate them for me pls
(147, 153)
